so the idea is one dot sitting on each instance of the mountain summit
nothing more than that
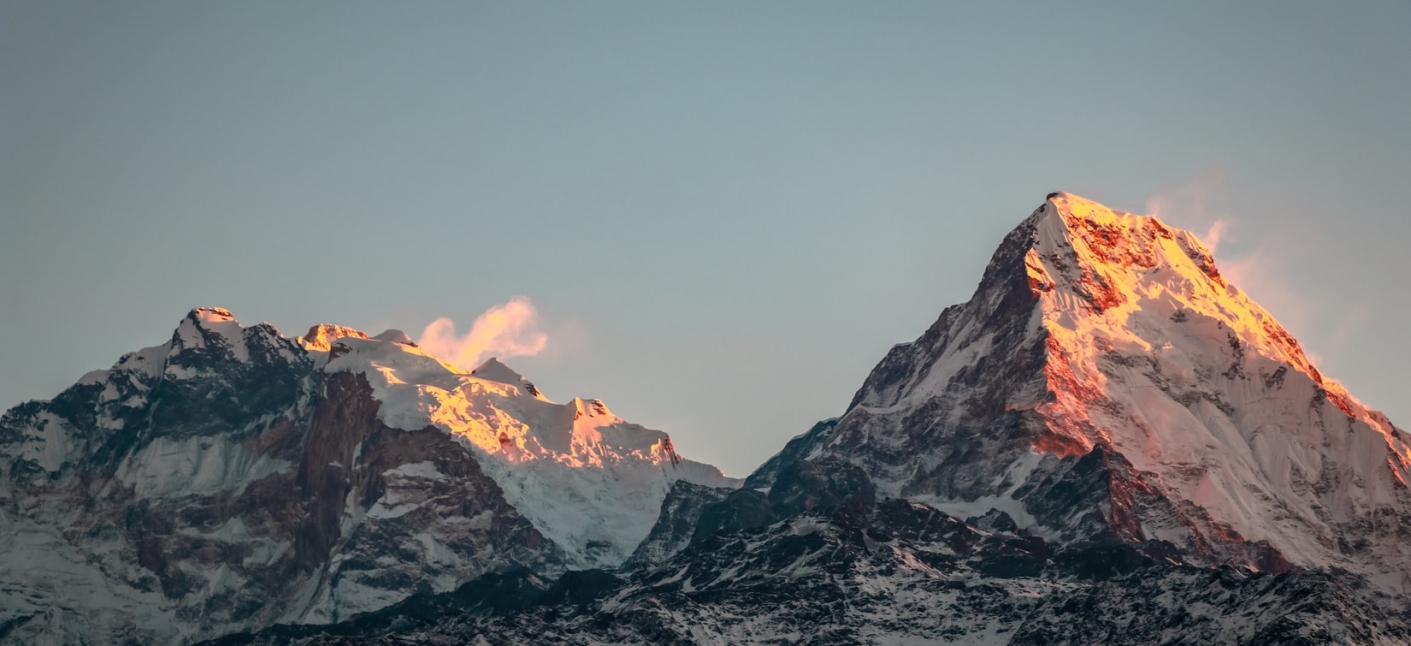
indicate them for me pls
(231, 478)
(1108, 443)
(1105, 381)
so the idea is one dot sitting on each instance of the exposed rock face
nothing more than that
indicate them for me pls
(393, 511)
(1107, 444)
(676, 524)
(833, 568)
(153, 500)
(232, 478)
(1106, 383)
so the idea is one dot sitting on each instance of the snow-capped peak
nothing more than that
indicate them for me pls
(321, 337)
(207, 326)
(1111, 337)
(1125, 259)
(395, 336)
(550, 459)
(493, 370)
(212, 314)
(1124, 279)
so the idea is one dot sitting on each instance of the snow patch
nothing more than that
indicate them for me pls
(588, 480)
(196, 466)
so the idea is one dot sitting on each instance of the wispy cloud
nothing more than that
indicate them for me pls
(1259, 272)
(1198, 203)
(507, 330)
(1213, 234)
(1201, 204)
(1260, 264)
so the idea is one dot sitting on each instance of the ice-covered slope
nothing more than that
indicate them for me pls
(231, 477)
(589, 480)
(1107, 444)
(1105, 382)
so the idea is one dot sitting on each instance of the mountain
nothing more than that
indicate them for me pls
(832, 565)
(1108, 443)
(232, 478)
(1106, 381)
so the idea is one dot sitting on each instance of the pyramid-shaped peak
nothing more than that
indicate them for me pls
(394, 336)
(1076, 244)
(1083, 259)
(205, 324)
(1098, 226)
(493, 370)
(1077, 205)
(589, 407)
(1100, 341)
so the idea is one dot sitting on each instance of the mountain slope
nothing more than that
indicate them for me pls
(1106, 381)
(231, 477)
(1107, 444)
(818, 560)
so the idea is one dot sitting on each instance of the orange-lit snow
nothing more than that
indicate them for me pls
(1137, 278)
(581, 474)
(1144, 348)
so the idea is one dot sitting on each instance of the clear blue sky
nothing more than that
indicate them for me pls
(725, 212)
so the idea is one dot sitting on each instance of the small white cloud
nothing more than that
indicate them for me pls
(507, 330)
(1212, 236)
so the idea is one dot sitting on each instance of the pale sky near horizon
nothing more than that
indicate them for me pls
(724, 212)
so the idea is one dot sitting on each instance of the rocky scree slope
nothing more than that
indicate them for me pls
(232, 478)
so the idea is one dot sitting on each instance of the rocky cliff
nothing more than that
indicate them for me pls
(232, 478)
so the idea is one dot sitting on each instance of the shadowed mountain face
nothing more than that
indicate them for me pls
(232, 478)
(1107, 444)
(819, 560)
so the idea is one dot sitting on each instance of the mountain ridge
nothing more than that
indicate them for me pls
(233, 477)
(1094, 329)
(1108, 441)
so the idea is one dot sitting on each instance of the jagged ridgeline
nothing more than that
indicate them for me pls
(231, 478)
(1108, 443)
